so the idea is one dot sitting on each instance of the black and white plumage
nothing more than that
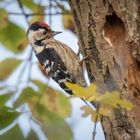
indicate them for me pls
(59, 60)
(56, 69)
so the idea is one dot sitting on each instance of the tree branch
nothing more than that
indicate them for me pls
(95, 125)
(31, 52)
(38, 14)
(50, 13)
(23, 11)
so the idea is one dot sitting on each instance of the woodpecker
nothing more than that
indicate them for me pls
(57, 59)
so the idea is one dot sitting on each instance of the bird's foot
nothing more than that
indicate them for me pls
(87, 58)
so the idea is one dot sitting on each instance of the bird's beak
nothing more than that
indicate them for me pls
(55, 33)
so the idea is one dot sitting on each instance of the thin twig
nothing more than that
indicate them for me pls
(50, 15)
(31, 52)
(21, 73)
(96, 119)
(23, 11)
(38, 14)
(60, 6)
(30, 65)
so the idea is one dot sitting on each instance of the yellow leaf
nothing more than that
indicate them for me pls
(91, 92)
(88, 93)
(126, 104)
(110, 99)
(113, 99)
(87, 111)
(77, 90)
(105, 110)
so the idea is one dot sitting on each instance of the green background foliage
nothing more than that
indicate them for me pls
(48, 108)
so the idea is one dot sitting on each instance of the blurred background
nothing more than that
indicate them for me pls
(33, 107)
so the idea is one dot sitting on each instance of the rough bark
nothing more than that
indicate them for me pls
(109, 32)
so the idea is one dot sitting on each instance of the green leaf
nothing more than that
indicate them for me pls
(53, 100)
(14, 133)
(50, 110)
(4, 98)
(7, 116)
(25, 96)
(58, 125)
(7, 66)
(40, 85)
(3, 18)
(13, 37)
(32, 136)
(53, 125)
(56, 102)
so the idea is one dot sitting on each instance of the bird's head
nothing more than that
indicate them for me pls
(38, 31)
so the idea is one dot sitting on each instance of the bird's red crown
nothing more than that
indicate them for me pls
(42, 24)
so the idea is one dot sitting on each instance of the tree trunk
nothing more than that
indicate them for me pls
(109, 32)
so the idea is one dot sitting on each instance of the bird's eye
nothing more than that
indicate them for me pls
(44, 32)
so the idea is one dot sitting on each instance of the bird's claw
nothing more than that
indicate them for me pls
(84, 59)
